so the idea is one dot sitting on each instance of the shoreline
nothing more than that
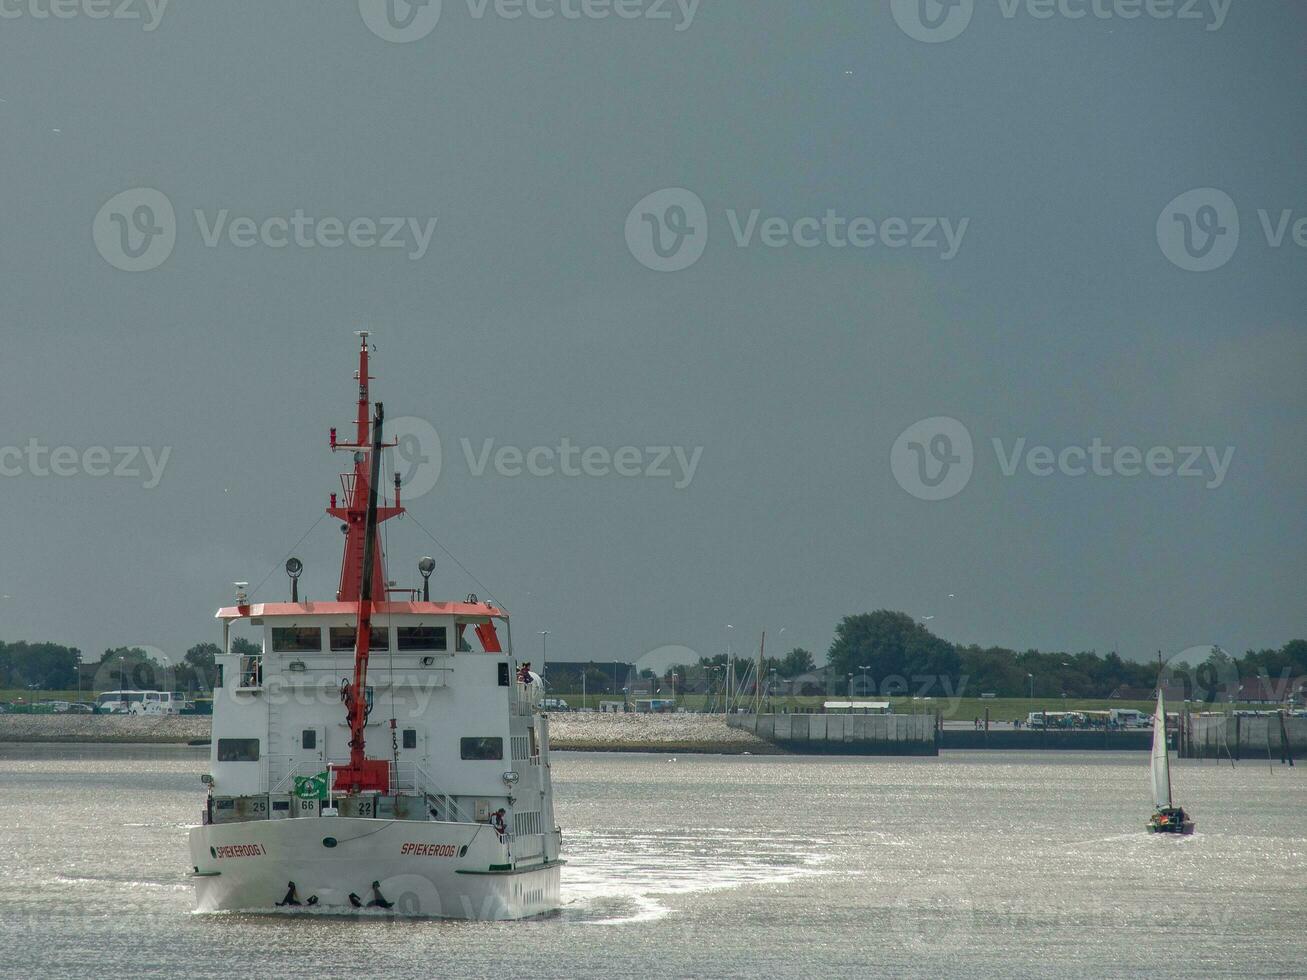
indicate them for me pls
(686, 734)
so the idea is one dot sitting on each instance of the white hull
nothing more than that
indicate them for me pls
(426, 869)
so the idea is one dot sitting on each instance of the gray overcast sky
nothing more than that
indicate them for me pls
(1061, 317)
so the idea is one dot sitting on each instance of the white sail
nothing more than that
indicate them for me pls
(1160, 763)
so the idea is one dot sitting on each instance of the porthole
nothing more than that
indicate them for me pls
(328, 842)
(462, 851)
(213, 853)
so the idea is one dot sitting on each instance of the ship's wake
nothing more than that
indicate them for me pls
(621, 876)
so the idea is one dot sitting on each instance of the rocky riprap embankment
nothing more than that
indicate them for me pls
(103, 728)
(569, 731)
(588, 732)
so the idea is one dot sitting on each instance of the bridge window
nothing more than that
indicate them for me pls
(238, 750)
(296, 639)
(413, 638)
(343, 638)
(481, 749)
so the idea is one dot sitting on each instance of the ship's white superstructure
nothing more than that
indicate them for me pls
(378, 750)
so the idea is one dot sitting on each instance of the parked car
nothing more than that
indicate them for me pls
(554, 704)
(80, 708)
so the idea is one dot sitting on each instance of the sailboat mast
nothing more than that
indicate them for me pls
(1166, 746)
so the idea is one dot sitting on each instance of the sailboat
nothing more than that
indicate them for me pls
(1167, 818)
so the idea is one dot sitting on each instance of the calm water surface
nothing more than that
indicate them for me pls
(973, 864)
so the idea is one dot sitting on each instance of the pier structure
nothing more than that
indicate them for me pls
(851, 734)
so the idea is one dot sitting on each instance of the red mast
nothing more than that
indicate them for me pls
(356, 487)
(362, 576)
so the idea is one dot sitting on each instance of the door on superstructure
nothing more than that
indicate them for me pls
(412, 742)
(309, 749)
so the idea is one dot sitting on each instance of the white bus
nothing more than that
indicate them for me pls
(1056, 719)
(1128, 718)
(139, 703)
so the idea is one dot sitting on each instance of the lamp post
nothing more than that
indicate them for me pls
(730, 667)
(544, 648)
(864, 668)
(1031, 678)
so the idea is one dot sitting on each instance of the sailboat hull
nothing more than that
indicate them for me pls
(1156, 826)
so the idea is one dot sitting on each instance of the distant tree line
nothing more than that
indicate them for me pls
(890, 653)
(51, 667)
(882, 652)
(42, 666)
(885, 645)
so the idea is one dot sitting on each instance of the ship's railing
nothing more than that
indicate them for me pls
(404, 778)
(526, 698)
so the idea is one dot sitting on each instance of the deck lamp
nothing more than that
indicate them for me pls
(425, 567)
(293, 568)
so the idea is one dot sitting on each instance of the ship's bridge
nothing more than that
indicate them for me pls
(412, 631)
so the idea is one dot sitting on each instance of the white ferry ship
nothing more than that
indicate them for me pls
(381, 751)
